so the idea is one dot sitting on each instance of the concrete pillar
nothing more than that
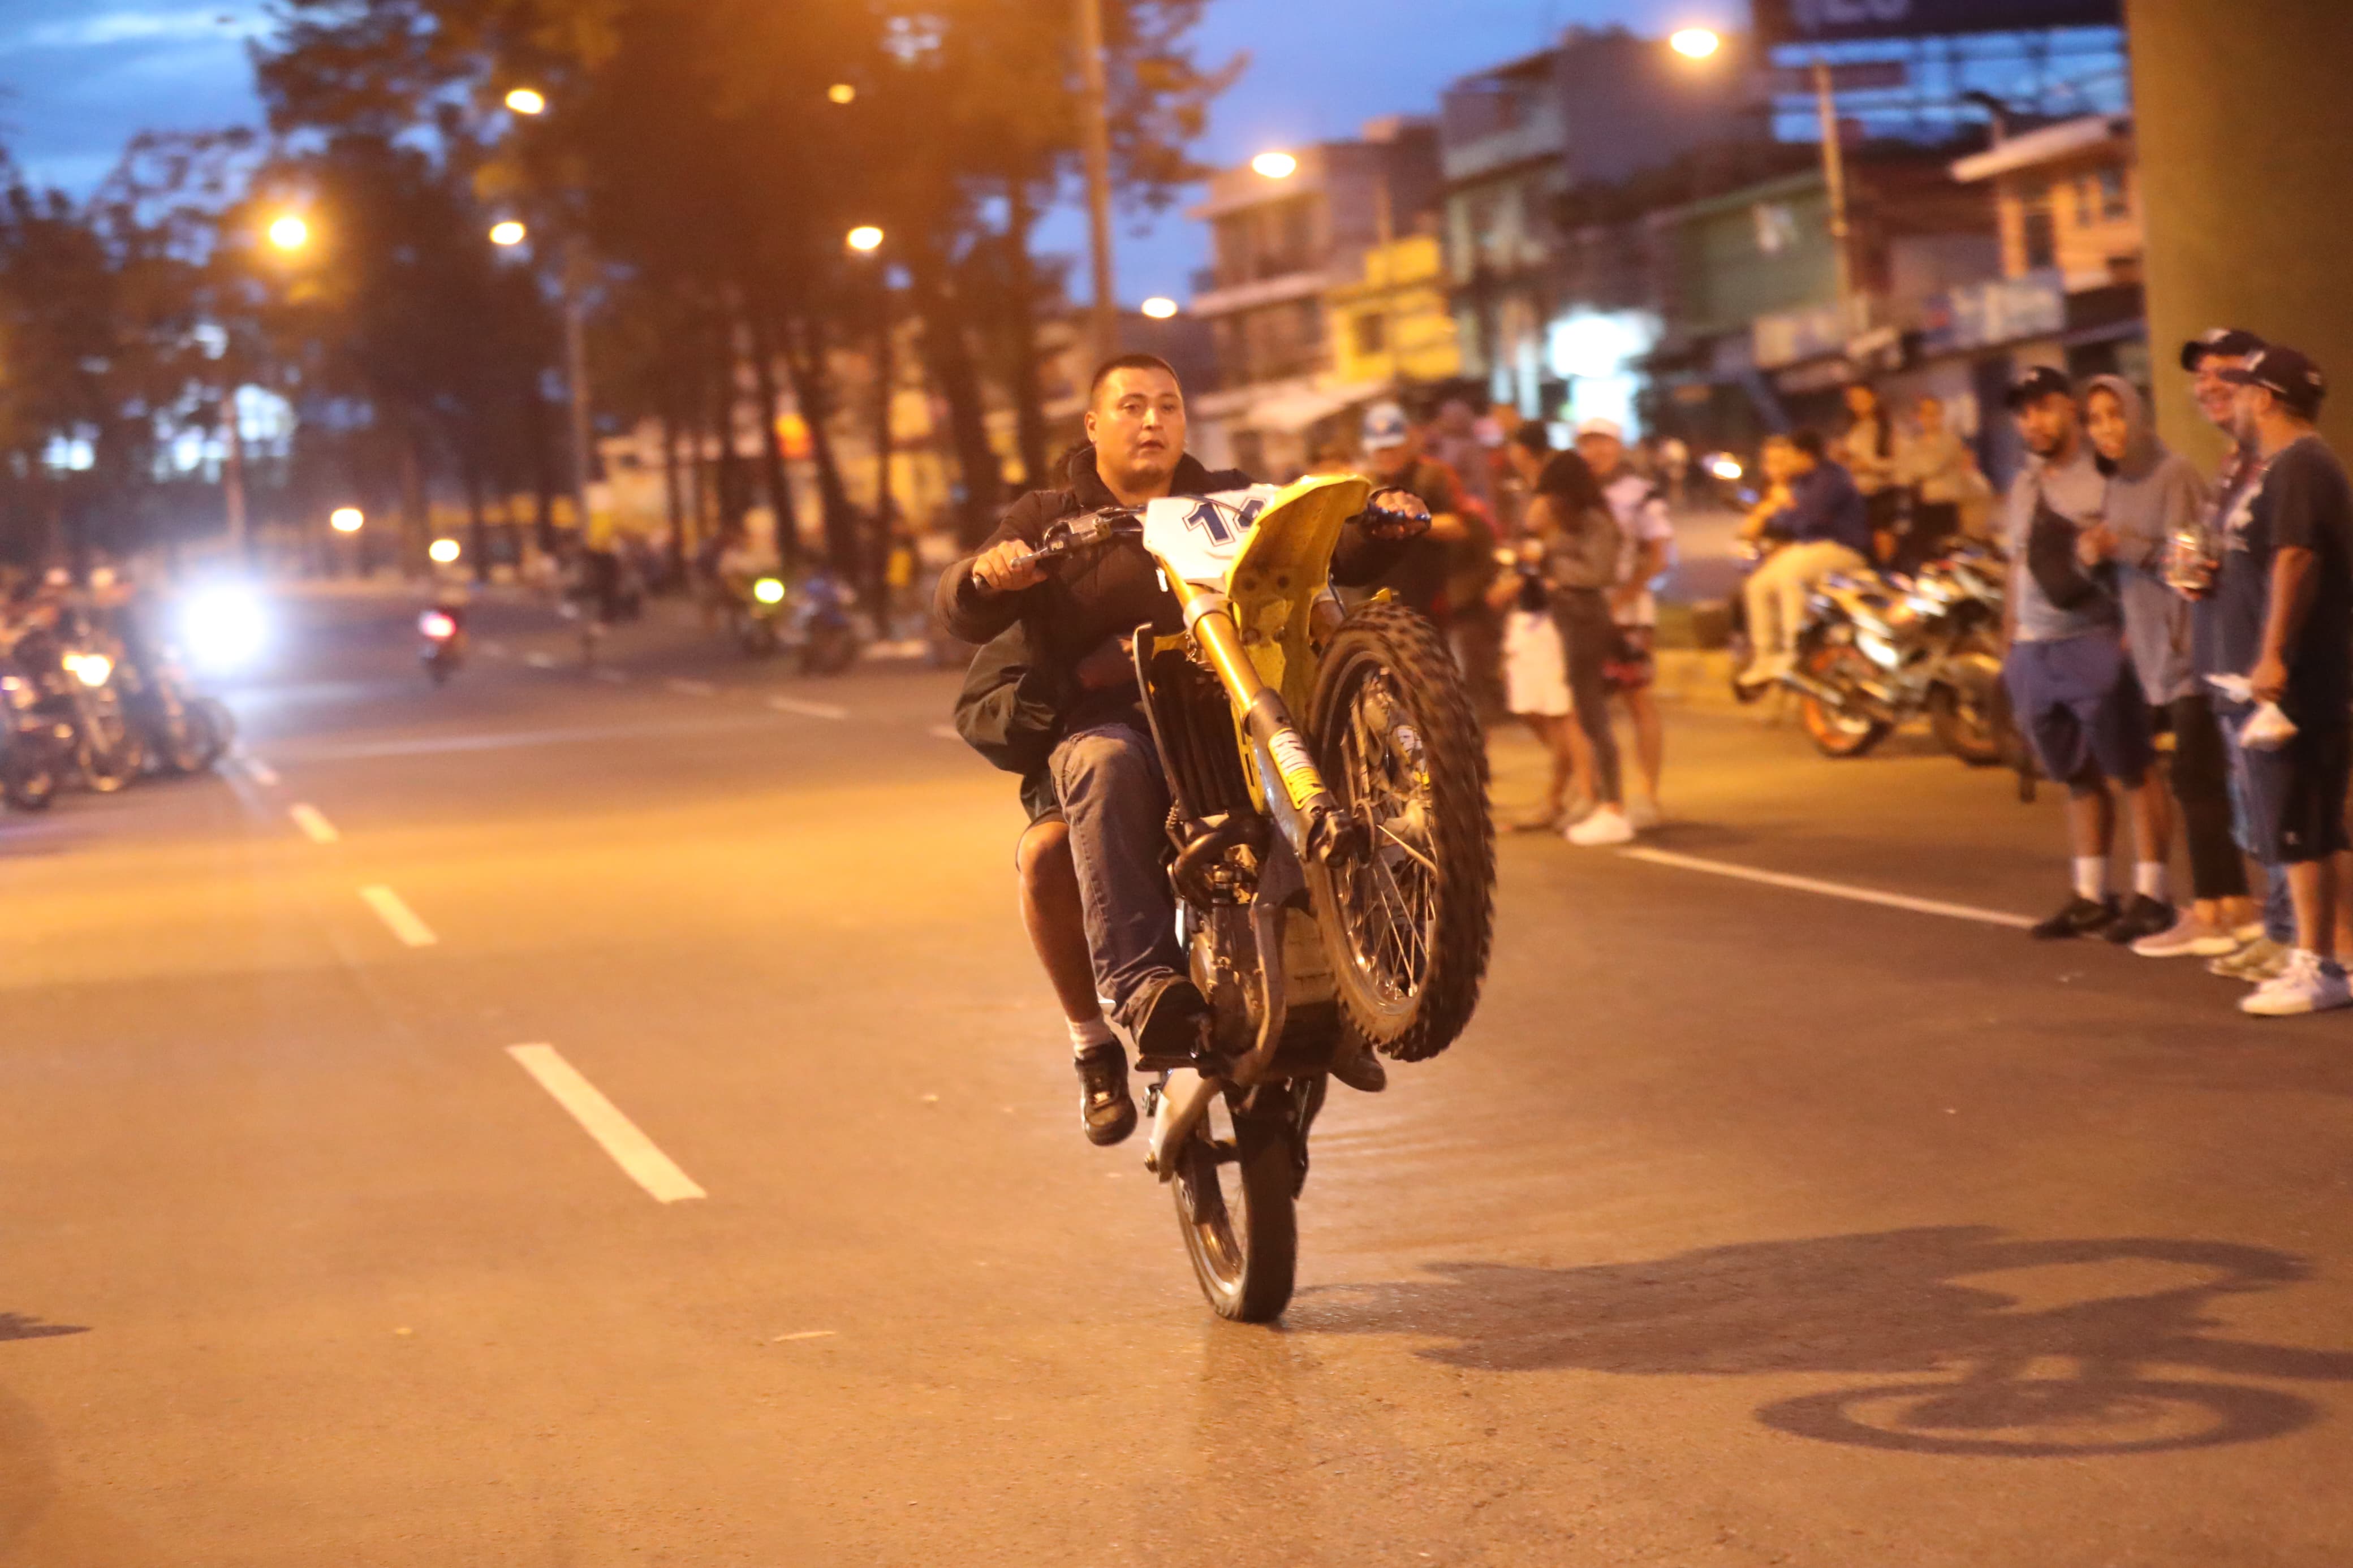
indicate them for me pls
(2245, 115)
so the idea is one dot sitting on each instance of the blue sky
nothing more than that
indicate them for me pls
(80, 76)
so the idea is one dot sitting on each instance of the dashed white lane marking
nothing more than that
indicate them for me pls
(1834, 889)
(313, 823)
(602, 1120)
(695, 687)
(257, 770)
(398, 915)
(945, 732)
(808, 710)
(614, 676)
(805, 1334)
(495, 649)
(539, 659)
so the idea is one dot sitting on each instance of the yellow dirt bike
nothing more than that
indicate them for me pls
(1330, 847)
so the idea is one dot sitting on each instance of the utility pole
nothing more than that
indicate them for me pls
(1834, 178)
(576, 377)
(1096, 117)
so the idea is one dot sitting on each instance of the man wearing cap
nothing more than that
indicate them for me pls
(1393, 456)
(1646, 535)
(2262, 952)
(2282, 610)
(2076, 692)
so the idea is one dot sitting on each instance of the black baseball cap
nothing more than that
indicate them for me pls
(2037, 382)
(2287, 375)
(2231, 342)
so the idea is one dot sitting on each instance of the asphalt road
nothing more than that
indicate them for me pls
(1751, 1224)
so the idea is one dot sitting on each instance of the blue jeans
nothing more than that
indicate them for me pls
(1115, 799)
(2279, 907)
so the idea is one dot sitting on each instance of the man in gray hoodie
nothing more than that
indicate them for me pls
(2153, 493)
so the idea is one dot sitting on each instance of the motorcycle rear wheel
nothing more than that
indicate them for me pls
(1236, 1203)
(111, 753)
(1833, 733)
(28, 777)
(183, 745)
(210, 717)
(1965, 723)
(1399, 747)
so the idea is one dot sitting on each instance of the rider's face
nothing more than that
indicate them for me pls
(1138, 425)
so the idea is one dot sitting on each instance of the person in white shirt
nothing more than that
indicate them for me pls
(1647, 535)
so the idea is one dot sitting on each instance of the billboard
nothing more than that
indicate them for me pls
(1824, 21)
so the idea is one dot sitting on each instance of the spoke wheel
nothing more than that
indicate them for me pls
(1838, 732)
(1236, 1186)
(1409, 926)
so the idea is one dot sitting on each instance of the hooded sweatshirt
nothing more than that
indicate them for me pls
(2153, 491)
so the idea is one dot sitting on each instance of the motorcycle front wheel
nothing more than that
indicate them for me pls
(111, 754)
(182, 744)
(1835, 731)
(28, 777)
(1236, 1197)
(1962, 713)
(210, 717)
(1408, 928)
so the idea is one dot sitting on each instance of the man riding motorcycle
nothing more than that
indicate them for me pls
(1104, 770)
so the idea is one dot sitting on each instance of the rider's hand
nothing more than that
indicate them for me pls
(1006, 569)
(1394, 514)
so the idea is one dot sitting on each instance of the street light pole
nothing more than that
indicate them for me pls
(1096, 118)
(1834, 179)
(576, 377)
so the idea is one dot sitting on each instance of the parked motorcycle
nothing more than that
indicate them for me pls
(1877, 651)
(444, 648)
(66, 722)
(1334, 871)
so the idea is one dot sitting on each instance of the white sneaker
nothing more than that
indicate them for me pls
(1642, 811)
(1607, 825)
(2189, 937)
(2310, 983)
(1765, 669)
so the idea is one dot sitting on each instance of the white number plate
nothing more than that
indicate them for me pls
(1198, 537)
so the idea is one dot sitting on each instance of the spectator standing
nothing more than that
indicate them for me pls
(1828, 532)
(1646, 534)
(2192, 571)
(1456, 440)
(2153, 494)
(1393, 456)
(2077, 696)
(1535, 683)
(2283, 598)
(1567, 512)
(1933, 465)
(1674, 469)
(1867, 449)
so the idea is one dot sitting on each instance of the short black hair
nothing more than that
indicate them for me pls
(1130, 362)
(1810, 443)
(1535, 436)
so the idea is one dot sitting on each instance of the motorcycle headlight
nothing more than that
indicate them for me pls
(89, 668)
(768, 591)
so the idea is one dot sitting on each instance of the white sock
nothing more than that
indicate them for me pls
(1092, 1032)
(2092, 877)
(2149, 879)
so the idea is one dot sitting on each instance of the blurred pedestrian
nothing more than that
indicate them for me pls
(1393, 456)
(2283, 599)
(1866, 448)
(1828, 532)
(1674, 469)
(1932, 465)
(1646, 535)
(1535, 684)
(1567, 512)
(2192, 565)
(2076, 695)
(2153, 494)
(1455, 439)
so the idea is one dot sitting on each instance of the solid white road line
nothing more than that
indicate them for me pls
(259, 771)
(398, 916)
(313, 823)
(695, 687)
(1833, 890)
(805, 1334)
(615, 1133)
(808, 710)
(945, 732)
(538, 659)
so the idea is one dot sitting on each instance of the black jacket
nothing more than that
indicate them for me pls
(1085, 602)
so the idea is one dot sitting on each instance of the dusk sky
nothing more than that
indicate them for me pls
(81, 75)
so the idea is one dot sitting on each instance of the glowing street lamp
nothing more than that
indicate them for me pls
(865, 237)
(1274, 165)
(1695, 43)
(841, 92)
(346, 520)
(527, 100)
(290, 233)
(1160, 307)
(443, 552)
(509, 233)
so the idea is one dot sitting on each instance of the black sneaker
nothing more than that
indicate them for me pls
(2143, 917)
(1167, 1025)
(2080, 917)
(1106, 1110)
(1355, 1065)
